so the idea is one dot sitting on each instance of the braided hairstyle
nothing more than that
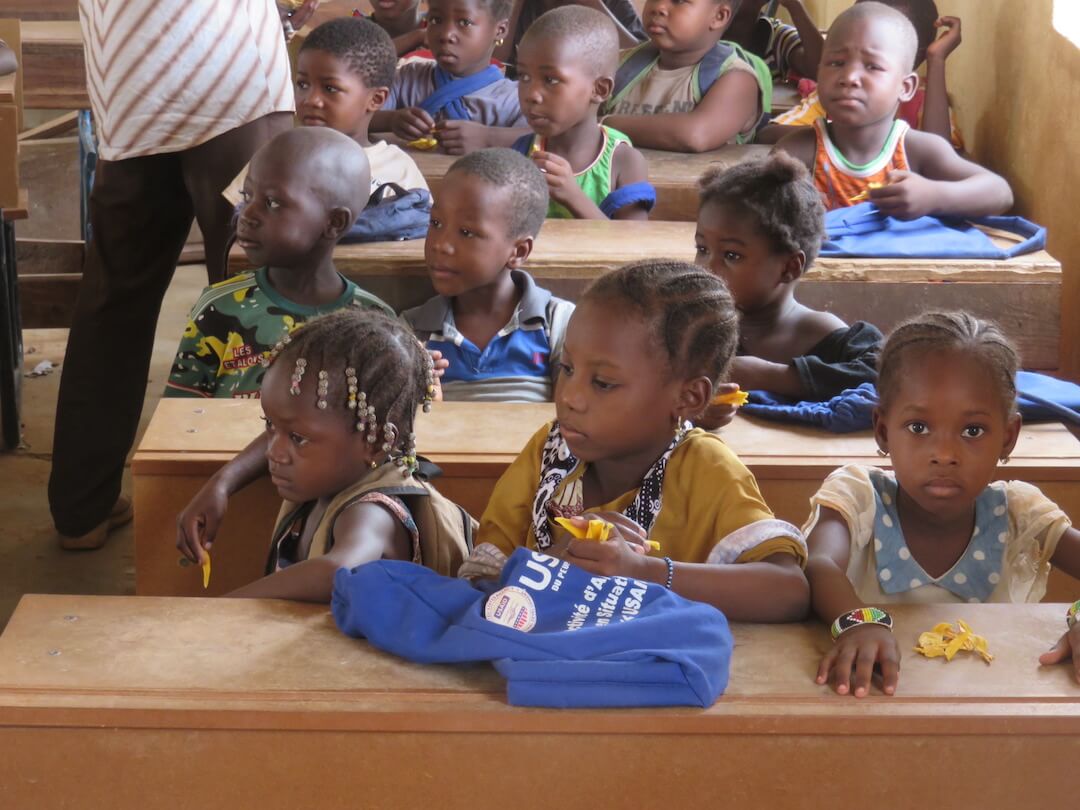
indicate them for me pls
(778, 194)
(962, 332)
(689, 312)
(367, 365)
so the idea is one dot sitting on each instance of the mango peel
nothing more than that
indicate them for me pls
(945, 640)
(738, 398)
(206, 569)
(598, 530)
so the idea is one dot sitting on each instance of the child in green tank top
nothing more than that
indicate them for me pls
(566, 67)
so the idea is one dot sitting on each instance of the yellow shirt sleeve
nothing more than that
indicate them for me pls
(713, 510)
(507, 520)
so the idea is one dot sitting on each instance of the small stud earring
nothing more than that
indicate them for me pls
(883, 453)
(1005, 459)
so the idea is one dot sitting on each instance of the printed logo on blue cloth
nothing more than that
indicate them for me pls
(511, 607)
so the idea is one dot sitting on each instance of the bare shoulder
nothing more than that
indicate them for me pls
(813, 326)
(800, 143)
(629, 165)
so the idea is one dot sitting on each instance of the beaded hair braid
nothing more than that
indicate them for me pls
(689, 310)
(369, 365)
(949, 331)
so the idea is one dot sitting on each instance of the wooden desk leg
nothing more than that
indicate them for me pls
(11, 347)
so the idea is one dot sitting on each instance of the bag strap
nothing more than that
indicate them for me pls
(631, 70)
(378, 196)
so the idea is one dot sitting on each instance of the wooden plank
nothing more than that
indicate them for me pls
(9, 156)
(52, 127)
(11, 86)
(228, 684)
(40, 9)
(7, 83)
(188, 440)
(674, 174)
(54, 69)
(50, 272)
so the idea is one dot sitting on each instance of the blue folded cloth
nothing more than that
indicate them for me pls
(1040, 398)
(559, 635)
(862, 230)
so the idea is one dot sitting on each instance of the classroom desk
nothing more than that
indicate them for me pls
(1023, 294)
(54, 66)
(674, 174)
(119, 702)
(188, 440)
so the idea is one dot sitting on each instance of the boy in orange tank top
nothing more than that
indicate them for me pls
(862, 152)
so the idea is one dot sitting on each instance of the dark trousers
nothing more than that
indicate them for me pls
(141, 210)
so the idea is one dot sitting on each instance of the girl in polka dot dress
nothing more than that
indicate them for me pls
(939, 529)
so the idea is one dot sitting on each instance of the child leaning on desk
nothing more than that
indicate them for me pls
(939, 528)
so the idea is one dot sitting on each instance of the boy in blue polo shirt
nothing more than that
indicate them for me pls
(499, 332)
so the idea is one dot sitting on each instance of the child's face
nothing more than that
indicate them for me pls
(945, 430)
(282, 220)
(312, 453)
(468, 244)
(555, 88)
(330, 94)
(462, 34)
(685, 25)
(863, 76)
(614, 397)
(732, 247)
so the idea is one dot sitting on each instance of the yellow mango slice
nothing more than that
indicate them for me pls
(598, 530)
(206, 569)
(425, 144)
(737, 398)
(865, 194)
(945, 640)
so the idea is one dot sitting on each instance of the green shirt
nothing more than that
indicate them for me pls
(234, 325)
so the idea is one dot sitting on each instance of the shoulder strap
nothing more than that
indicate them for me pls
(449, 89)
(446, 530)
(634, 65)
(712, 65)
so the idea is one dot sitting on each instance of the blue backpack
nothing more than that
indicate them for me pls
(405, 215)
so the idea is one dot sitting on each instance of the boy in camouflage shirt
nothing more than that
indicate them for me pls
(305, 188)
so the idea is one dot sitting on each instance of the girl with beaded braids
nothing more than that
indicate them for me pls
(938, 528)
(340, 396)
(645, 351)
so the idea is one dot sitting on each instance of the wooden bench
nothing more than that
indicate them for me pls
(1022, 293)
(106, 702)
(188, 440)
(54, 66)
(675, 175)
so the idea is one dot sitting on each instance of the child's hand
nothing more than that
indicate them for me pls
(412, 123)
(944, 45)
(197, 525)
(1068, 646)
(717, 416)
(906, 196)
(621, 554)
(849, 665)
(559, 175)
(461, 137)
(440, 364)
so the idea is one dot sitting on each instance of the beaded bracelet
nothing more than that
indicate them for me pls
(670, 572)
(867, 615)
(1072, 616)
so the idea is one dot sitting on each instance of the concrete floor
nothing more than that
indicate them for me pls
(30, 559)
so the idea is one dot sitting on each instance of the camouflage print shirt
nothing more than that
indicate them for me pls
(233, 325)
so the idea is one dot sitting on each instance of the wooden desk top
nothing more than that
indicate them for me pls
(22, 212)
(236, 664)
(51, 32)
(582, 249)
(488, 436)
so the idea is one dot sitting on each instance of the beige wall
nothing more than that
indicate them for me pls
(1015, 83)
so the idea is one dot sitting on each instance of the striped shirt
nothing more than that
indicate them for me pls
(164, 76)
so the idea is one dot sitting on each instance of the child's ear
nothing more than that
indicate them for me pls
(339, 221)
(881, 432)
(602, 89)
(694, 397)
(1012, 434)
(377, 99)
(793, 267)
(909, 87)
(722, 18)
(523, 246)
(501, 29)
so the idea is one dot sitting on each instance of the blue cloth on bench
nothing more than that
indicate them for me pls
(863, 231)
(1041, 398)
(582, 640)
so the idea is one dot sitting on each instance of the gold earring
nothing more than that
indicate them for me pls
(883, 453)
(1005, 459)
(499, 42)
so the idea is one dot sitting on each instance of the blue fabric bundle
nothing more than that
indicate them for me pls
(559, 635)
(450, 90)
(862, 230)
(1041, 398)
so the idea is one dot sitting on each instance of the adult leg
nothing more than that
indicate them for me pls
(210, 167)
(140, 214)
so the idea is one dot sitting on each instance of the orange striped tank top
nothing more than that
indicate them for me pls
(841, 182)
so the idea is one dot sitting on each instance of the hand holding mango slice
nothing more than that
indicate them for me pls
(598, 530)
(865, 193)
(206, 569)
(948, 641)
(738, 398)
